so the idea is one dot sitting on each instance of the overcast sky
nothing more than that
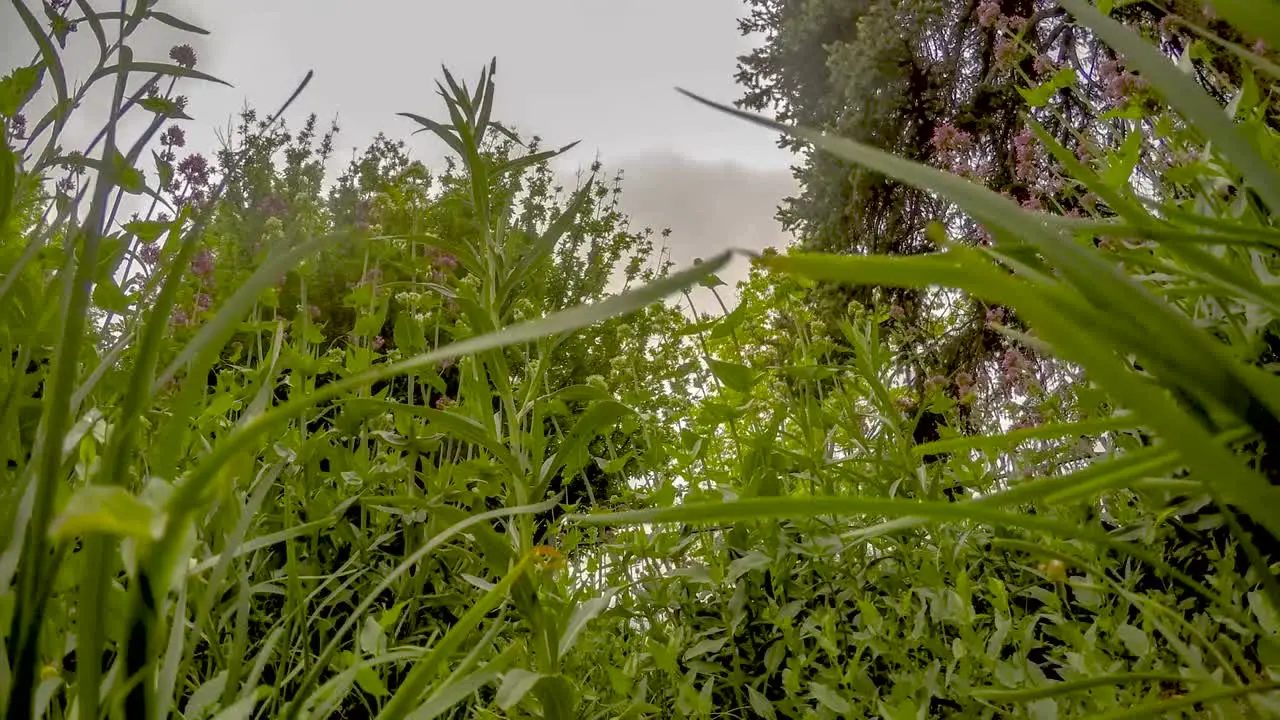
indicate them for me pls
(599, 71)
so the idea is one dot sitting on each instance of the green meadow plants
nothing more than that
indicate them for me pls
(428, 442)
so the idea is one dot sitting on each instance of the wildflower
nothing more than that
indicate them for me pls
(446, 261)
(183, 55)
(195, 170)
(174, 136)
(995, 316)
(952, 144)
(1260, 47)
(203, 301)
(1044, 64)
(1015, 367)
(1025, 152)
(1166, 26)
(274, 206)
(897, 312)
(18, 126)
(150, 253)
(964, 379)
(202, 264)
(988, 13)
(935, 382)
(1006, 51)
(444, 402)
(379, 342)
(1118, 84)
(179, 318)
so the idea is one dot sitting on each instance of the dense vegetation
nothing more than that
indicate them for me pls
(996, 439)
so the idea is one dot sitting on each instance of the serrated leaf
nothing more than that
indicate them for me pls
(148, 231)
(17, 88)
(165, 107)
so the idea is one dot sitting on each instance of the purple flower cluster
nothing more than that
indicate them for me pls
(183, 55)
(1117, 84)
(988, 13)
(964, 383)
(195, 170)
(952, 145)
(174, 136)
(1016, 369)
(1025, 152)
(202, 265)
(995, 316)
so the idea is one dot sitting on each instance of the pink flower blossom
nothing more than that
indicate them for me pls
(202, 264)
(379, 342)
(995, 316)
(1025, 154)
(203, 301)
(988, 13)
(897, 312)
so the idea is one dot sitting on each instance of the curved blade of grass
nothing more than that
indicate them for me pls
(776, 508)
(1166, 707)
(425, 670)
(1008, 441)
(457, 691)
(1067, 687)
(321, 663)
(1186, 96)
(453, 424)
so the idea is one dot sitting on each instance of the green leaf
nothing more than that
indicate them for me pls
(129, 178)
(17, 88)
(829, 698)
(1135, 641)
(516, 683)
(760, 704)
(734, 376)
(584, 613)
(106, 510)
(107, 295)
(157, 68)
(174, 22)
(164, 107)
(1042, 93)
(710, 646)
(148, 231)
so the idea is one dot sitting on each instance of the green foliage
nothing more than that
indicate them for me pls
(427, 443)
